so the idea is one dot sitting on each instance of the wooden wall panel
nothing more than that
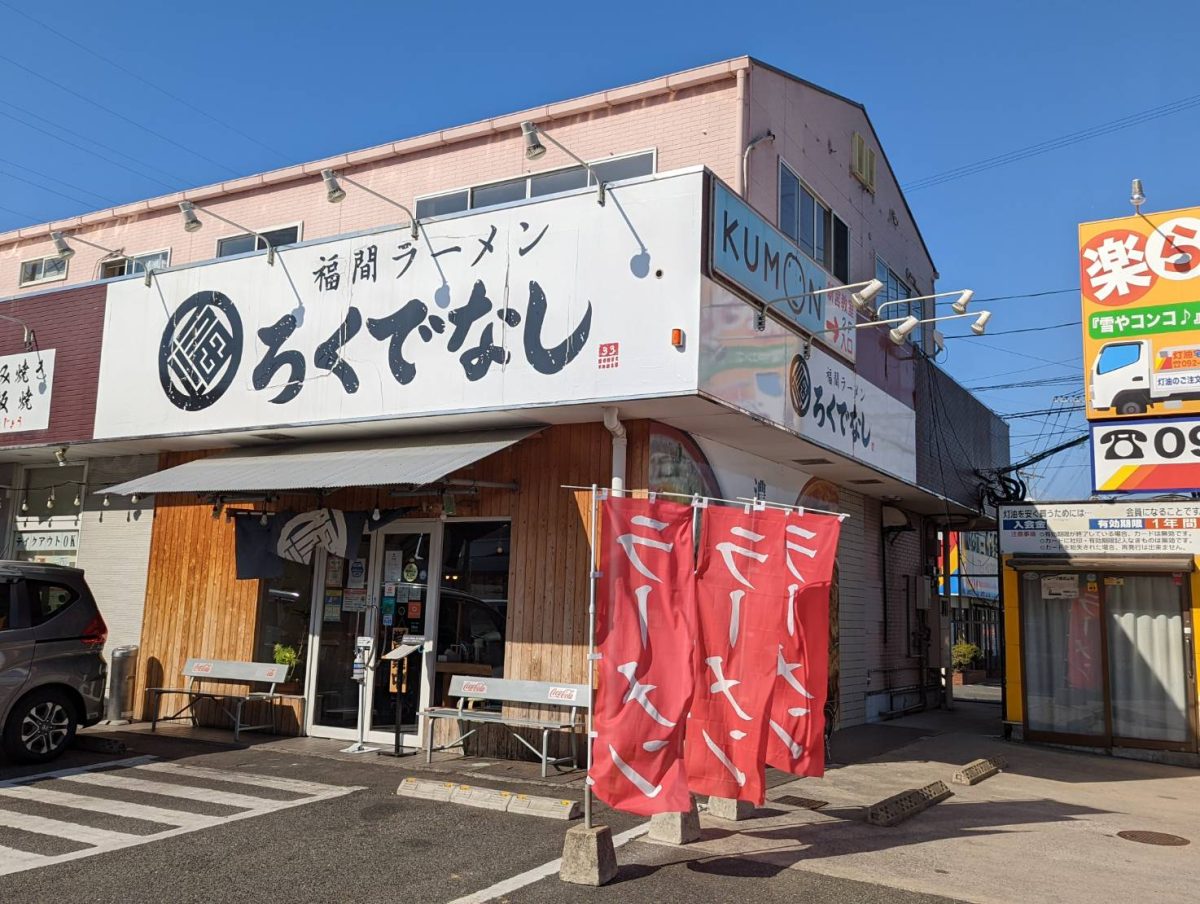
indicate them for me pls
(196, 607)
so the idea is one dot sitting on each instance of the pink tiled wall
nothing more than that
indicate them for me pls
(694, 124)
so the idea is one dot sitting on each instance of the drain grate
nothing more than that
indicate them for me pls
(1160, 838)
(805, 803)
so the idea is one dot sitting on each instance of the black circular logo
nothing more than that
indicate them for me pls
(200, 351)
(800, 385)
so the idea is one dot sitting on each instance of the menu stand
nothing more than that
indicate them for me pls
(409, 644)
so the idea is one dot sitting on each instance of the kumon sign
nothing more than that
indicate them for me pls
(1140, 281)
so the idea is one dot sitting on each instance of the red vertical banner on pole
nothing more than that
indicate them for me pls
(740, 591)
(796, 741)
(645, 629)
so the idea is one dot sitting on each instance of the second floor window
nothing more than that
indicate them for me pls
(493, 193)
(896, 289)
(138, 263)
(812, 225)
(43, 269)
(240, 244)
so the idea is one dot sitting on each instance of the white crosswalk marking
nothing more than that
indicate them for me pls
(187, 792)
(105, 805)
(67, 789)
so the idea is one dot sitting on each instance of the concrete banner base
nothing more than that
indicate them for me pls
(588, 856)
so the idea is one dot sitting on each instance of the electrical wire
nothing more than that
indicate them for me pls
(1028, 329)
(27, 169)
(143, 175)
(1053, 144)
(145, 81)
(109, 110)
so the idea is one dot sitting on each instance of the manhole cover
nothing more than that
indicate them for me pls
(1161, 838)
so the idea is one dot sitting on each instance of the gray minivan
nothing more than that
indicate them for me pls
(52, 672)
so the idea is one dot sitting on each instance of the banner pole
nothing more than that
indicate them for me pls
(591, 662)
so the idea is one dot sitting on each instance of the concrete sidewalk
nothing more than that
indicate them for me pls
(1043, 830)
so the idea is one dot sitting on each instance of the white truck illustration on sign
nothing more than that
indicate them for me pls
(1130, 377)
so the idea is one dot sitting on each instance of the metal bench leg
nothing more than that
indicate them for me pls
(237, 719)
(545, 745)
(574, 749)
(429, 724)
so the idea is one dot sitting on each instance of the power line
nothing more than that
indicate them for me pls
(1039, 412)
(86, 150)
(145, 81)
(27, 169)
(47, 188)
(1053, 144)
(1028, 329)
(1028, 295)
(121, 116)
(1025, 384)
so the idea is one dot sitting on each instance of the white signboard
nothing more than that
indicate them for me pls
(551, 302)
(819, 396)
(1158, 455)
(26, 381)
(46, 540)
(1093, 529)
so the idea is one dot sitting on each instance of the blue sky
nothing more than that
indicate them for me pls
(946, 83)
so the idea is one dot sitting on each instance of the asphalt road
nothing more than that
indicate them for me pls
(367, 845)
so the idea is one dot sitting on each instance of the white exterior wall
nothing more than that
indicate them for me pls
(114, 546)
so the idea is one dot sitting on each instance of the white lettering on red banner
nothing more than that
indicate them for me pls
(645, 617)
(740, 591)
(797, 721)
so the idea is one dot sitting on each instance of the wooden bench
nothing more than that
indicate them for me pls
(203, 674)
(574, 698)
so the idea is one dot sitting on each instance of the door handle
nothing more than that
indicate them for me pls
(1138, 380)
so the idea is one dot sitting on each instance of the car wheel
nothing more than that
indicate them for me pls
(40, 727)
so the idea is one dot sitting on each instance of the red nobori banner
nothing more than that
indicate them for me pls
(796, 742)
(741, 589)
(645, 629)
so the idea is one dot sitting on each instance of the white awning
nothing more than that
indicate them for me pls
(416, 460)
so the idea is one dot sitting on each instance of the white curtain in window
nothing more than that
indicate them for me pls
(1147, 671)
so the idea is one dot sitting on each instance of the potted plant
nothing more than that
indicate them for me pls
(963, 656)
(285, 654)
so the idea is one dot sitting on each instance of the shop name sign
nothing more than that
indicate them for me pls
(813, 394)
(549, 302)
(1153, 455)
(1140, 280)
(1092, 529)
(749, 252)
(26, 382)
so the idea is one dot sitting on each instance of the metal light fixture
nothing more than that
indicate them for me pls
(981, 322)
(534, 149)
(76, 503)
(899, 334)
(375, 514)
(24, 504)
(191, 223)
(864, 296)
(50, 502)
(1137, 197)
(960, 306)
(263, 519)
(60, 454)
(64, 250)
(106, 503)
(135, 498)
(533, 146)
(335, 194)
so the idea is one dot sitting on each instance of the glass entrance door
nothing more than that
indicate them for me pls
(405, 578)
(341, 613)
